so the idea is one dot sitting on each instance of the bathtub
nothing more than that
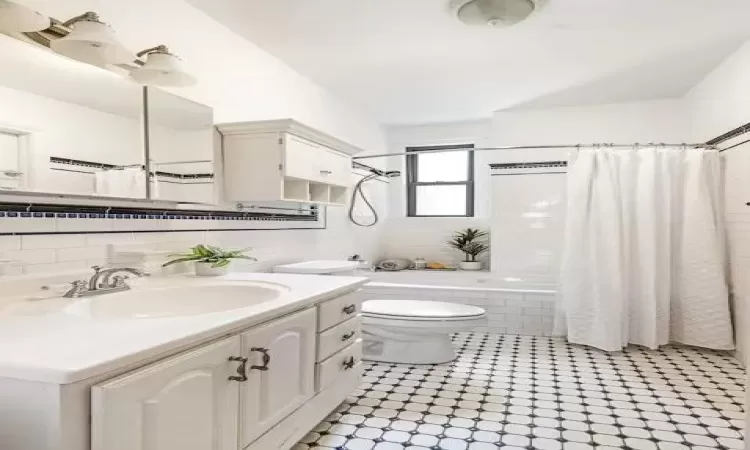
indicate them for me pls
(513, 306)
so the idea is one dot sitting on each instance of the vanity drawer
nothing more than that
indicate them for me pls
(338, 337)
(339, 365)
(335, 311)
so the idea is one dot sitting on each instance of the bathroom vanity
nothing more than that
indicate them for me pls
(102, 373)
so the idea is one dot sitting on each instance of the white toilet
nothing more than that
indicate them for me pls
(402, 331)
(415, 331)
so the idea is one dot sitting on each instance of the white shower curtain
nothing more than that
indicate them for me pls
(643, 260)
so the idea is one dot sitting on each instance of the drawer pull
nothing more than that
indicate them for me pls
(348, 364)
(349, 309)
(241, 369)
(325, 172)
(266, 359)
(347, 336)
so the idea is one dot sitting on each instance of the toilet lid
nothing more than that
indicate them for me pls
(418, 309)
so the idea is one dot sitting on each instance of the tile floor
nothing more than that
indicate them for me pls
(526, 392)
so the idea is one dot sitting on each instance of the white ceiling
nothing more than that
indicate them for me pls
(410, 61)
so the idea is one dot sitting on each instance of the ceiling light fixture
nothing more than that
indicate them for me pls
(18, 18)
(494, 13)
(91, 41)
(162, 68)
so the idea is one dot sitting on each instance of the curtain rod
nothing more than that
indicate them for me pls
(533, 147)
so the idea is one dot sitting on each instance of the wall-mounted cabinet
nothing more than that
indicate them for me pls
(283, 160)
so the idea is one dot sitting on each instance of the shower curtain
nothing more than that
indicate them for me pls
(643, 260)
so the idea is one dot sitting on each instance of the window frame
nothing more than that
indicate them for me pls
(412, 171)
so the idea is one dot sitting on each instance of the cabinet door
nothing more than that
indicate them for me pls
(338, 169)
(302, 158)
(183, 403)
(281, 372)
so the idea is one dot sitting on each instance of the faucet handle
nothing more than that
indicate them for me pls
(97, 269)
(77, 288)
(119, 281)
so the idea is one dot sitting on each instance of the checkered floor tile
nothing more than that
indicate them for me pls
(526, 392)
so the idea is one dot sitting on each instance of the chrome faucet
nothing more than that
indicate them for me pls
(103, 281)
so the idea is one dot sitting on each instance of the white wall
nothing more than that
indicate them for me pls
(527, 240)
(515, 237)
(235, 77)
(242, 83)
(411, 237)
(721, 102)
(718, 104)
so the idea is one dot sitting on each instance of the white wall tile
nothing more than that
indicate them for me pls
(29, 242)
(82, 254)
(10, 243)
(39, 256)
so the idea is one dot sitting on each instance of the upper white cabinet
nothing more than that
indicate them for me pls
(187, 402)
(284, 160)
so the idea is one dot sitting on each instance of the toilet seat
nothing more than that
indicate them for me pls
(415, 331)
(420, 310)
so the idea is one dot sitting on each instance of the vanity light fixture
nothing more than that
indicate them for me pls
(162, 68)
(91, 41)
(18, 18)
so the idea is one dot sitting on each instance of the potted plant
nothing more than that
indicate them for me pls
(472, 243)
(209, 260)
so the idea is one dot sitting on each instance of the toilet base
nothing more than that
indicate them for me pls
(427, 349)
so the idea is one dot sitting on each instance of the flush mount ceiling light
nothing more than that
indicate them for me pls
(91, 41)
(18, 18)
(162, 68)
(495, 13)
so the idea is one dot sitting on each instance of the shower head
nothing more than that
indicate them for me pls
(392, 174)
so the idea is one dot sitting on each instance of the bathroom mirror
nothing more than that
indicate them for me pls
(180, 148)
(67, 127)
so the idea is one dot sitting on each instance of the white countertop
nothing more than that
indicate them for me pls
(61, 348)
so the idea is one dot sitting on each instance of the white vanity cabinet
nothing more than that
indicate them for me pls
(281, 372)
(263, 387)
(187, 402)
(283, 160)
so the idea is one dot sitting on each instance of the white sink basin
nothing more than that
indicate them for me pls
(177, 301)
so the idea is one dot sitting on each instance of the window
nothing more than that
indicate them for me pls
(440, 184)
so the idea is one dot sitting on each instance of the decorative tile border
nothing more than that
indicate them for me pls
(529, 168)
(529, 165)
(103, 219)
(104, 166)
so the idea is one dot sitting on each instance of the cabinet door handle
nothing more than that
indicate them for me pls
(266, 358)
(347, 336)
(325, 172)
(348, 364)
(241, 369)
(349, 309)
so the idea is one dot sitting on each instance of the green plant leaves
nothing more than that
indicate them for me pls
(210, 254)
(470, 242)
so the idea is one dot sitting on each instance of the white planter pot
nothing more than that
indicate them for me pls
(470, 265)
(208, 270)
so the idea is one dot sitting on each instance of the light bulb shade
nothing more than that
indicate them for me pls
(93, 43)
(162, 69)
(493, 12)
(18, 18)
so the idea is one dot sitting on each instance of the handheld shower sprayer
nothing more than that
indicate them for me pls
(357, 191)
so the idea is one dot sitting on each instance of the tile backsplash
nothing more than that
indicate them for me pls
(103, 242)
